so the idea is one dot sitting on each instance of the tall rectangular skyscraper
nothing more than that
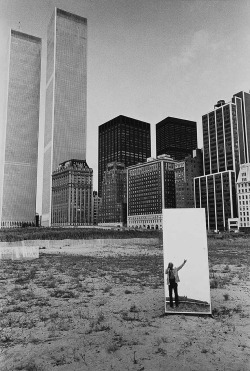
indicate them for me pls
(122, 139)
(19, 172)
(176, 137)
(226, 134)
(66, 97)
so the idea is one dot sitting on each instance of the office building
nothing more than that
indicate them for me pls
(66, 97)
(217, 194)
(225, 138)
(243, 196)
(176, 137)
(122, 139)
(96, 200)
(72, 187)
(185, 172)
(151, 188)
(113, 208)
(18, 177)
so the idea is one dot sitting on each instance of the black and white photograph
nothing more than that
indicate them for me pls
(124, 185)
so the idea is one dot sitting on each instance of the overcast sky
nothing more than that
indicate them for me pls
(147, 59)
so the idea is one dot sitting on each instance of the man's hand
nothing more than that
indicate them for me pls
(185, 261)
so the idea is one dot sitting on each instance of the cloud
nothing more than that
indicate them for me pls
(201, 43)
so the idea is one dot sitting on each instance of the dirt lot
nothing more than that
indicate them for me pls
(103, 309)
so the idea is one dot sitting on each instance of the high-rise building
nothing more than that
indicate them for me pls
(226, 130)
(96, 200)
(19, 171)
(217, 194)
(243, 196)
(185, 172)
(151, 188)
(122, 139)
(176, 137)
(113, 208)
(66, 97)
(72, 187)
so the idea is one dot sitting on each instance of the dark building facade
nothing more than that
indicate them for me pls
(151, 188)
(95, 207)
(113, 207)
(122, 139)
(72, 185)
(176, 137)
(185, 172)
(226, 130)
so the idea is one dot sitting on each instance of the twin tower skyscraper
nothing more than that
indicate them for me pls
(65, 114)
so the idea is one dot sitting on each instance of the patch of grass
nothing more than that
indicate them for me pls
(134, 309)
(220, 282)
(204, 350)
(226, 296)
(214, 284)
(6, 337)
(160, 351)
(96, 324)
(64, 294)
(111, 348)
(19, 234)
(116, 343)
(30, 365)
(126, 317)
(51, 284)
(107, 289)
(160, 340)
(224, 311)
(226, 269)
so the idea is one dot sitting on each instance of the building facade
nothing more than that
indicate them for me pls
(243, 196)
(96, 200)
(225, 138)
(66, 97)
(18, 177)
(72, 189)
(185, 172)
(151, 188)
(176, 137)
(122, 139)
(217, 194)
(113, 207)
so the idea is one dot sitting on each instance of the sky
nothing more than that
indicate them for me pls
(147, 59)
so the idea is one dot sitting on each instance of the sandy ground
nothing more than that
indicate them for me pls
(101, 307)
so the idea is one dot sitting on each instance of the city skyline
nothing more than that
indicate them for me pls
(147, 60)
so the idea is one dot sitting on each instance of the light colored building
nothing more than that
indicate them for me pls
(243, 196)
(233, 224)
(66, 97)
(226, 134)
(18, 173)
(72, 188)
(113, 206)
(150, 188)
